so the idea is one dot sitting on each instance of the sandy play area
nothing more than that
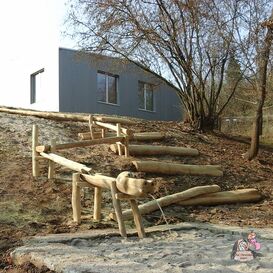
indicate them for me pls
(180, 250)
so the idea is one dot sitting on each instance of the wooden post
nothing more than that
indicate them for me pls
(76, 198)
(103, 132)
(97, 203)
(91, 127)
(117, 207)
(35, 162)
(137, 218)
(126, 146)
(119, 134)
(51, 164)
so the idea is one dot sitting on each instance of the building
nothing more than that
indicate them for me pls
(44, 76)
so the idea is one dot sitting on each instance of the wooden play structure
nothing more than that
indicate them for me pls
(126, 186)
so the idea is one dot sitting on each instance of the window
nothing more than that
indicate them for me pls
(107, 88)
(145, 96)
(36, 85)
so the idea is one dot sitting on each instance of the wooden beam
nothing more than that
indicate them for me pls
(35, 155)
(76, 198)
(174, 168)
(80, 144)
(118, 135)
(114, 128)
(97, 135)
(91, 127)
(222, 198)
(158, 150)
(146, 136)
(98, 180)
(81, 168)
(169, 199)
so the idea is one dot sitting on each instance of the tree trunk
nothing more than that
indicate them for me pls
(262, 63)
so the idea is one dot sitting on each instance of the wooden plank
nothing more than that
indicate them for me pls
(76, 198)
(97, 203)
(81, 144)
(67, 163)
(169, 199)
(174, 168)
(35, 163)
(137, 219)
(86, 136)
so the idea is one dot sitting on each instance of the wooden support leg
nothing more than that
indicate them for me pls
(97, 203)
(117, 207)
(51, 164)
(76, 198)
(35, 155)
(103, 132)
(91, 127)
(119, 134)
(137, 218)
(126, 146)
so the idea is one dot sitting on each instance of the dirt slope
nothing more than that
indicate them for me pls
(29, 207)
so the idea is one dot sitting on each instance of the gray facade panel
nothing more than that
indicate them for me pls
(78, 87)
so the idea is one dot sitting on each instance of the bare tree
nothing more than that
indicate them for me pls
(187, 43)
(262, 60)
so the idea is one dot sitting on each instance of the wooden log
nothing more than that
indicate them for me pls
(114, 120)
(174, 168)
(97, 135)
(118, 212)
(225, 197)
(47, 115)
(81, 168)
(51, 164)
(137, 219)
(97, 203)
(76, 198)
(64, 116)
(80, 144)
(158, 150)
(114, 128)
(103, 133)
(148, 136)
(136, 136)
(35, 163)
(98, 180)
(126, 147)
(169, 199)
(133, 186)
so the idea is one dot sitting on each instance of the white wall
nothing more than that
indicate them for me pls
(30, 38)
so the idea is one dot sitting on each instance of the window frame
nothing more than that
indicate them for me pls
(33, 94)
(107, 74)
(145, 96)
